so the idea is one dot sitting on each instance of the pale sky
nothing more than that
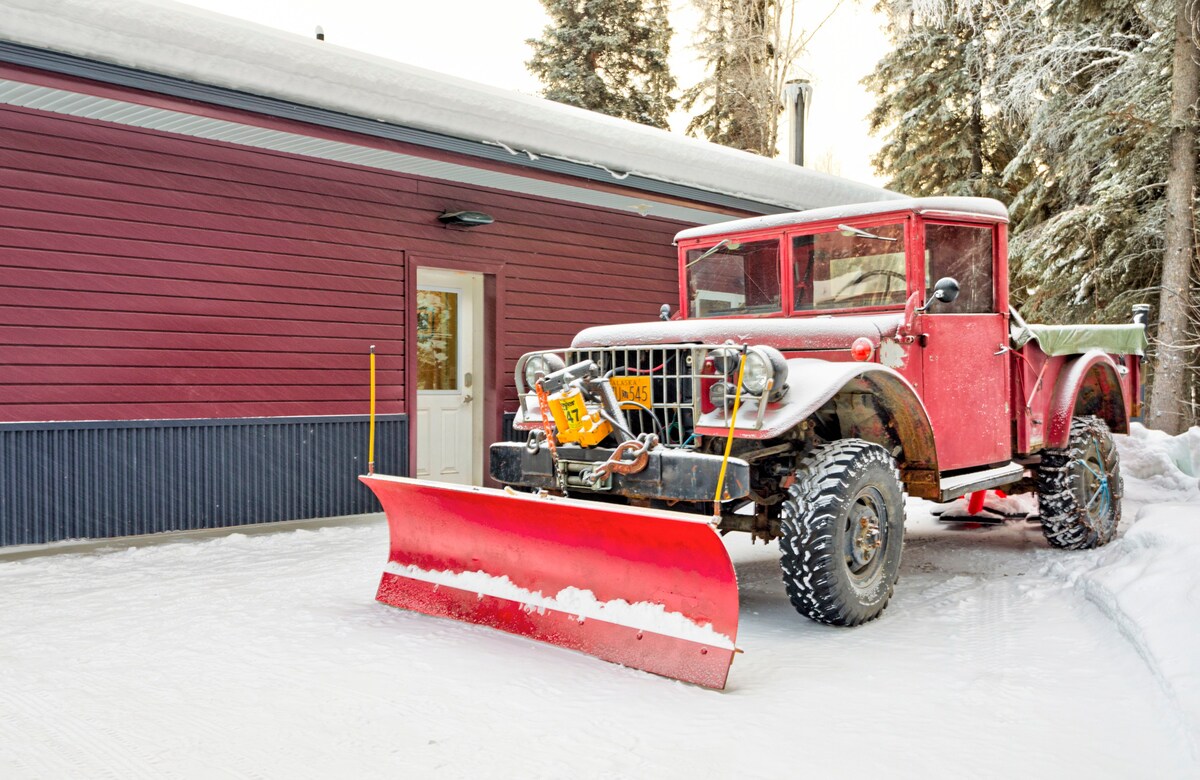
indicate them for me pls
(484, 40)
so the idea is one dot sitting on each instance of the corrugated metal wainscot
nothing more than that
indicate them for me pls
(95, 480)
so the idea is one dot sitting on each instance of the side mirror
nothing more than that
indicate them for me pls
(944, 291)
(665, 312)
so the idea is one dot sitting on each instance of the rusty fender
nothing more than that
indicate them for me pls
(1094, 376)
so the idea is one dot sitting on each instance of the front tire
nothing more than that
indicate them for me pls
(842, 529)
(1079, 488)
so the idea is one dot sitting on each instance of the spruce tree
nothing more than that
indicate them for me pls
(1077, 118)
(608, 56)
(1088, 83)
(942, 135)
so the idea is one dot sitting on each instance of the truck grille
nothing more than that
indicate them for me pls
(674, 386)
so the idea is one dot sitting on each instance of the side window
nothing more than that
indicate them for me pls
(965, 253)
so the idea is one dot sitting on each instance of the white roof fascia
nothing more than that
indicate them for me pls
(166, 38)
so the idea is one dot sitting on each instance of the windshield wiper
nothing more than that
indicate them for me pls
(847, 230)
(708, 252)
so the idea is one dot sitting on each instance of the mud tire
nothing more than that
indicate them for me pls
(1075, 514)
(835, 484)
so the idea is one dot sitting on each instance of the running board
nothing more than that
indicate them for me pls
(961, 484)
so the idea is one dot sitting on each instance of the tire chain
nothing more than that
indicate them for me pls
(1065, 522)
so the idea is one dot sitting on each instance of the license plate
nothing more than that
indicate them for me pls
(632, 389)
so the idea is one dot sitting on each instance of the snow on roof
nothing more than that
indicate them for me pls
(988, 208)
(170, 39)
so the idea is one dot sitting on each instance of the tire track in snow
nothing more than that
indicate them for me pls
(69, 742)
(999, 647)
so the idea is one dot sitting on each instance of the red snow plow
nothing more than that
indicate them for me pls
(795, 397)
(578, 574)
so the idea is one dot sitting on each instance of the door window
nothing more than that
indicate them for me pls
(437, 340)
(963, 252)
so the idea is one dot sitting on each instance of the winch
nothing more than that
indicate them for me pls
(575, 420)
(575, 397)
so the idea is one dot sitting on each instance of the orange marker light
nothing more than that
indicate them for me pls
(862, 349)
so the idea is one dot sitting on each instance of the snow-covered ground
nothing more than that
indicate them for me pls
(266, 656)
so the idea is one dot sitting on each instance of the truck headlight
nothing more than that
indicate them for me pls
(765, 365)
(542, 363)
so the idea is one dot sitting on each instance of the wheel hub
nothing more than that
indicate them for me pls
(866, 535)
(1096, 492)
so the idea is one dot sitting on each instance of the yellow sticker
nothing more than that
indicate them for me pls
(573, 410)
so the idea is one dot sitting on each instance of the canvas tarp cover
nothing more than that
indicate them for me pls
(1076, 339)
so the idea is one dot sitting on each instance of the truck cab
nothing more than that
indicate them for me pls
(876, 265)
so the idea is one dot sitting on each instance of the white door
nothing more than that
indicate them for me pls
(449, 376)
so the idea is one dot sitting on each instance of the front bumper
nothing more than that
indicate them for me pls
(670, 474)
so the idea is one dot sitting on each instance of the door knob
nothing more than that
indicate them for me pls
(468, 398)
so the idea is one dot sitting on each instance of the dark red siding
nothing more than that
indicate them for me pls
(145, 275)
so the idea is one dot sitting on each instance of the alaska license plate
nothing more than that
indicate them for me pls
(632, 390)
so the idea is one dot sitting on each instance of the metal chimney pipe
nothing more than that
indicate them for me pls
(320, 33)
(797, 94)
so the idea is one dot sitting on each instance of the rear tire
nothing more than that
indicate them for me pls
(1080, 487)
(842, 529)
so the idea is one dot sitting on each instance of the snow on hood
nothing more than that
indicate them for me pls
(793, 333)
(167, 38)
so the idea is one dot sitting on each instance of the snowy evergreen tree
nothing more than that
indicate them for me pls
(1089, 86)
(942, 136)
(748, 47)
(1077, 118)
(608, 56)
(1095, 91)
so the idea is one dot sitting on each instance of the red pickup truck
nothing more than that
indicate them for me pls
(822, 364)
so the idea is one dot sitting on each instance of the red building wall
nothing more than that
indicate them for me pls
(149, 275)
(184, 323)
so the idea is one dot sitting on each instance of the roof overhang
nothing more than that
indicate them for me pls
(187, 52)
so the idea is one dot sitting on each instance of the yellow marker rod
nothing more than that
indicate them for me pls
(371, 445)
(737, 400)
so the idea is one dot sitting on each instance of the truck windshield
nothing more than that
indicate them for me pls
(734, 277)
(848, 268)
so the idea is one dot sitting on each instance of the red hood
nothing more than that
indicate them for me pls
(786, 334)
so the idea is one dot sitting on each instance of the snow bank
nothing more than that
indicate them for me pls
(184, 42)
(1148, 583)
(1159, 466)
(641, 615)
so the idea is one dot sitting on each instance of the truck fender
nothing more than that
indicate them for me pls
(1088, 384)
(813, 383)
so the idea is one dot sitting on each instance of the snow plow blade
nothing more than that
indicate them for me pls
(644, 588)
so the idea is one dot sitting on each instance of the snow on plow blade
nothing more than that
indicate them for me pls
(645, 588)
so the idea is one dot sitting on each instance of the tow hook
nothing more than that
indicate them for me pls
(639, 449)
